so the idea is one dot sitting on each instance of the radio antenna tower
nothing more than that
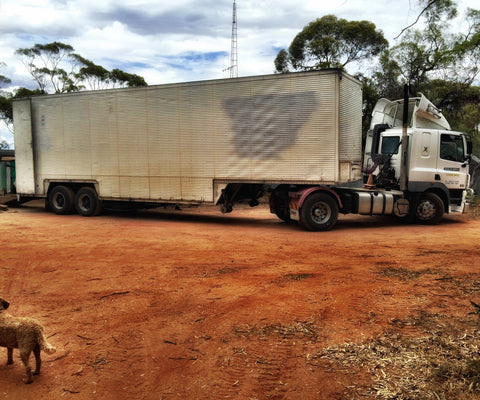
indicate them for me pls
(233, 52)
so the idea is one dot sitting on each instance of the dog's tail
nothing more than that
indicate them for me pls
(43, 343)
(47, 347)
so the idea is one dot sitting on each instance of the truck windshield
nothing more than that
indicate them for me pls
(451, 148)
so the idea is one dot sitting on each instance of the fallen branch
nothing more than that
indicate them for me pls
(84, 337)
(70, 391)
(113, 294)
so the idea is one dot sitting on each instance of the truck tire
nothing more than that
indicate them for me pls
(319, 212)
(280, 202)
(61, 200)
(87, 202)
(429, 209)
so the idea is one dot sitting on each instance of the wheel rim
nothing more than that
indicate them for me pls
(321, 212)
(84, 203)
(59, 201)
(426, 210)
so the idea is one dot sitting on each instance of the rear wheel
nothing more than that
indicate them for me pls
(429, 209)
(87, 202)
(319, 212)
(61, 200)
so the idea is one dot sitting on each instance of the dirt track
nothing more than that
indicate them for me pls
(199, 305)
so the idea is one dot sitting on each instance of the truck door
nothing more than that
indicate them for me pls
(452, 169)
(390, 148)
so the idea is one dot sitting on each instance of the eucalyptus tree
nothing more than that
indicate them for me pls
(330, 42)
(47, 64)
(5, 100)
(55, 67)
(433, 52)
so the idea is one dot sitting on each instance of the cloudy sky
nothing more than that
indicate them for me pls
(182, 40)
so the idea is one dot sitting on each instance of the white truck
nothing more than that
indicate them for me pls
(297, 136)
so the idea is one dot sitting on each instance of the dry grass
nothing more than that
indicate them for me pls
(443, 363)
(475, 207)
(404, 273)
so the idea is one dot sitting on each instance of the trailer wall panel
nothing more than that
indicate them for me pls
(171, 142)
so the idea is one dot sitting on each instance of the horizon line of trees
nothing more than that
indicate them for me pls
(56, 68)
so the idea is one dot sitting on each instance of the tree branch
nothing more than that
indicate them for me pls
(430, 3)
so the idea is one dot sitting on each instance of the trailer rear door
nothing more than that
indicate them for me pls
(24, 161)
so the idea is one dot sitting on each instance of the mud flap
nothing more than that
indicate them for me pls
(294, 205)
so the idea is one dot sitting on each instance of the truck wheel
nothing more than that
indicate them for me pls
(280, 202)
(87, 202)
(319, 212)
(61, 200)
(429, 209)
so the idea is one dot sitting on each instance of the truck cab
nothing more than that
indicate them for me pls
(436, 160)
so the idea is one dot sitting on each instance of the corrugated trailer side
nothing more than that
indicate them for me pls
(177, 142)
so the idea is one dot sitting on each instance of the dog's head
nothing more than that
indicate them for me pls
(3, 304)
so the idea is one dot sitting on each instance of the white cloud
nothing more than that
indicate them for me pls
(163, 41)
(181, 40)
(145, 34)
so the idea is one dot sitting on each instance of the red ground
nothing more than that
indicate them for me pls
(199, 305)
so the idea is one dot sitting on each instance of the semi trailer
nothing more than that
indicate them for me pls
(297, 137)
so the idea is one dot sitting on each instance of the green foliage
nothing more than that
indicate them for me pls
(330, 42)
(49, 72)
(5, 101)
(5, 107)
(55, 67)
(432, 53)
(3, 79)
(92, 75)
(281, 62)
(387, 80)
(6, 114)
(438, 10)
(438, 63)
(467, 50)
(130, 80)
(370, 97)
(420, 53)
(97, 77)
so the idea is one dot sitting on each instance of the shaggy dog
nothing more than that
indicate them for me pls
(24, 334)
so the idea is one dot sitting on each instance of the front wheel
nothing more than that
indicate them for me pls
(429, 209)
(319, 212)
(87, 202)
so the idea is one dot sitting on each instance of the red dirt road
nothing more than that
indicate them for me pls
(199, 305)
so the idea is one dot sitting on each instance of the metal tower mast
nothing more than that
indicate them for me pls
(233, 52)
